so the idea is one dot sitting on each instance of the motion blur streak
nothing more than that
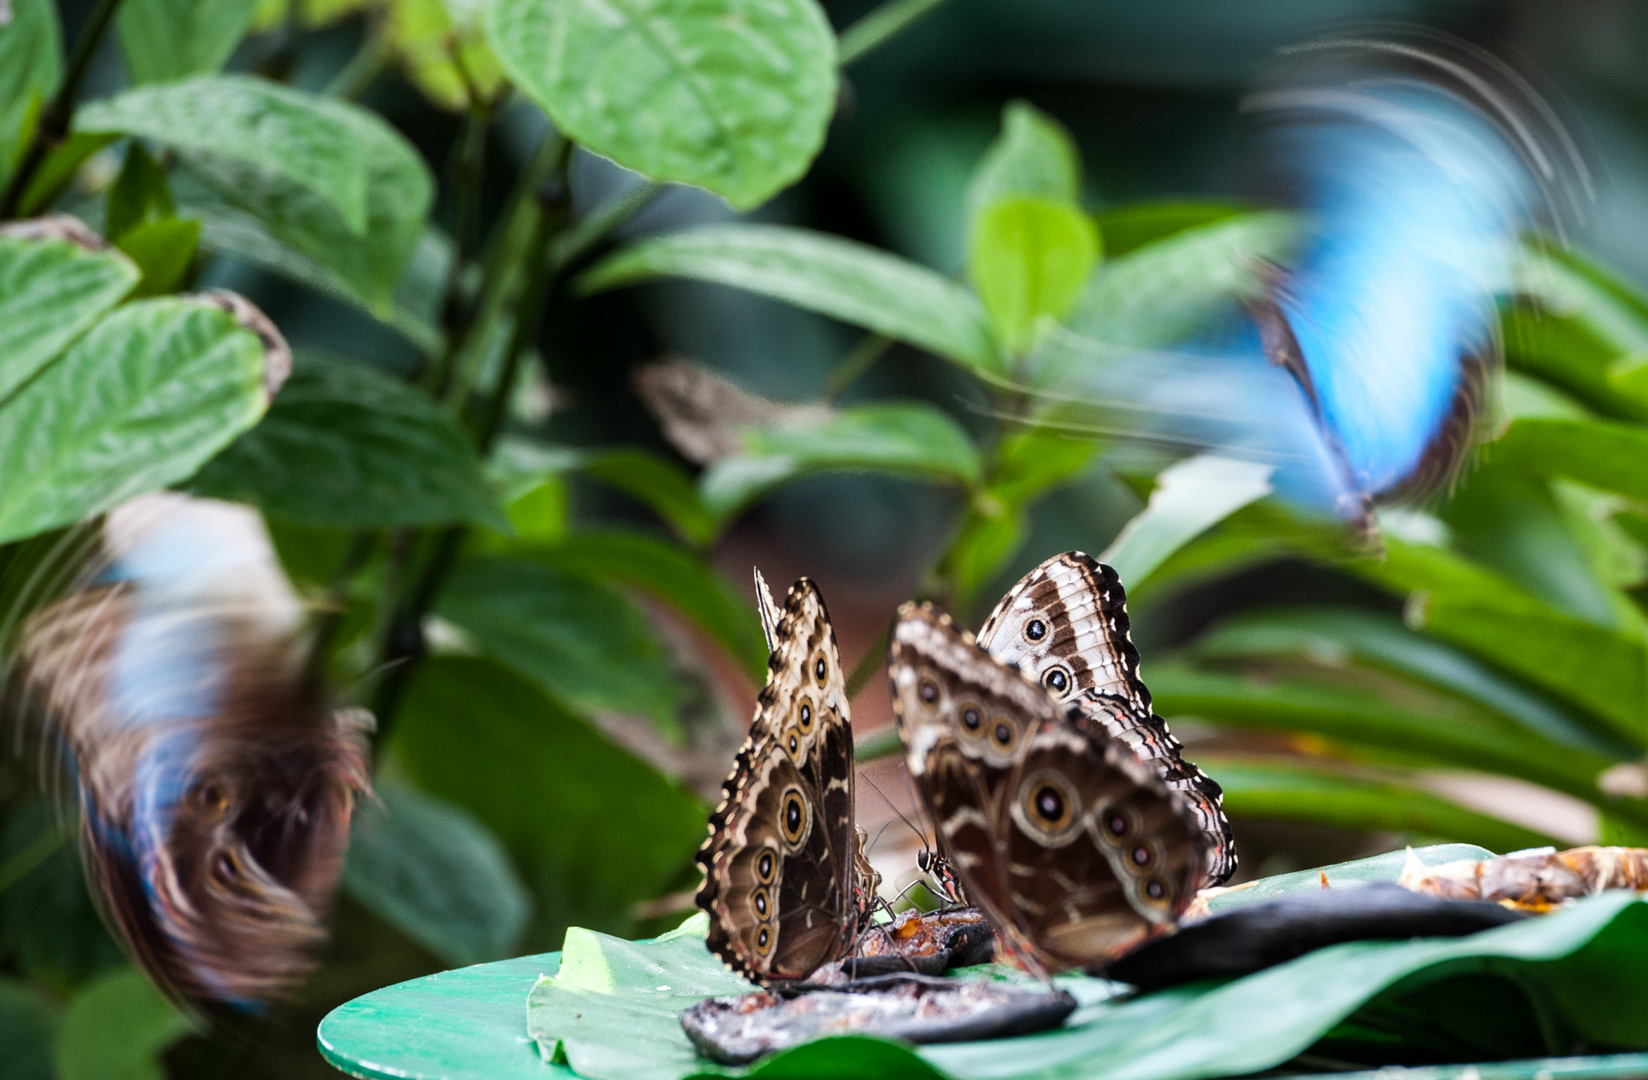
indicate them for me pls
(215, 786)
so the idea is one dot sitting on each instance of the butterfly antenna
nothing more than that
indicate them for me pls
(894, 808)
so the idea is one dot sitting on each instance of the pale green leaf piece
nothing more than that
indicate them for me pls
(318, 144)
(583, 642)
(167, 40)
(731, 95)
(840, 278)
(436, 872)
(31, 63)
(1190, 497)
(139, 402)
(1029, 259)
(51, 290)
(908, 438)
(348, 447)
(116, 1029)
(443, 49)
(1034, 156)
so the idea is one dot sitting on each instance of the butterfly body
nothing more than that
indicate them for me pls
(782, 878)
(1075, 848)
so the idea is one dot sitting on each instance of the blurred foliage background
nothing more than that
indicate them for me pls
(545, 598)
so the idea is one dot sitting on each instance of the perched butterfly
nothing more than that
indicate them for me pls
(1065, 626)
(215, 784)
(1075, 848)
(786, 884)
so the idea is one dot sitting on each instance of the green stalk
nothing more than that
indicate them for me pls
(54, 119)
(852, 367)
(363, 69)
(879, 27)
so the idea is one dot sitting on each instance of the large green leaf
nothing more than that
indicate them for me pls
(579, 639)
(1191, 496)
(611, 1012)
(840, 278)
(657, 481)
(1268, 789)
(892, 437)
(31, 63)
(139, 402)
(594, 828)
(1029, 259)
(1032, 156)
(731, 95)
(1604, 454)
(436, 872)
(679, 578)
(347, 447)
(117, 1027)
(165, 40)
(1581, 328)
(28, 1027)
(50, 292)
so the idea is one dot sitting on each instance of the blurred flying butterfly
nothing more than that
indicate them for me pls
(1075, 848)
(215, 785)
(1362, 370)
(1065, 626)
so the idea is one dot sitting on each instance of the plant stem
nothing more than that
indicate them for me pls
(880, 26)
(573, 244)
(468, 175)
(357, 76)
(54, 119)
(862, 357)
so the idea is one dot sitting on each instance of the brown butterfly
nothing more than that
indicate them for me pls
(1076, 849)
(1065, 625)
(786, 884)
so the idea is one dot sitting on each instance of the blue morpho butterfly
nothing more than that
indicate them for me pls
(215, 787)
(1362, 368)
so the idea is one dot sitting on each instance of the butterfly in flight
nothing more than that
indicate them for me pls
(1060, 799)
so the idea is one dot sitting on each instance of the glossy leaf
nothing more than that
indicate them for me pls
(31, 63)
(139, 402)
(1033, 156)
(1268, 789)
(730, 95)
(657, 481)
(166, 40)
(1600, 453)
(1190, 497)
(139, 194)
(117, 1027)
(437, 873)
(51, 291)
(680, 579)
(164, 251)
(845, 280)
(348, 447)
(581, 641)
(593, 827)
(28, 1028)
(605, 1015)
(1581, 329)
(1127, 228)
(892, 437)
(1029, 259)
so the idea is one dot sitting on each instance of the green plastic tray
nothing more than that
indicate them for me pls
(470, 1024)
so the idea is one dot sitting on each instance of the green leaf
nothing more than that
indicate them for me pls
(164, 251)
(580, 640)
(660, 483)
(891, 437)
(1336, 637)
(49, 927)
(444, 51)
(139, 194)
(1597, 669)
(347, 447)
(1191, 496)
(31, 63)
(595, 828)
(165, 40)
(59, 167)
(1163, 292)
(730, 95)
(139, 402)
(437, 873)
(51, 291)
(1362, 717)
(1034, 156)
(116, 1029)
(28, 1028)
(680, 579)
(1600, 453)
(1266, 789)
(840, 278)
(606, 1012)
(1123, 229)
(1030, 258)
(313, 143)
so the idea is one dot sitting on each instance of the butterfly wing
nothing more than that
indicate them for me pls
(1075, 849)
(1064, 625)
(779, 864)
